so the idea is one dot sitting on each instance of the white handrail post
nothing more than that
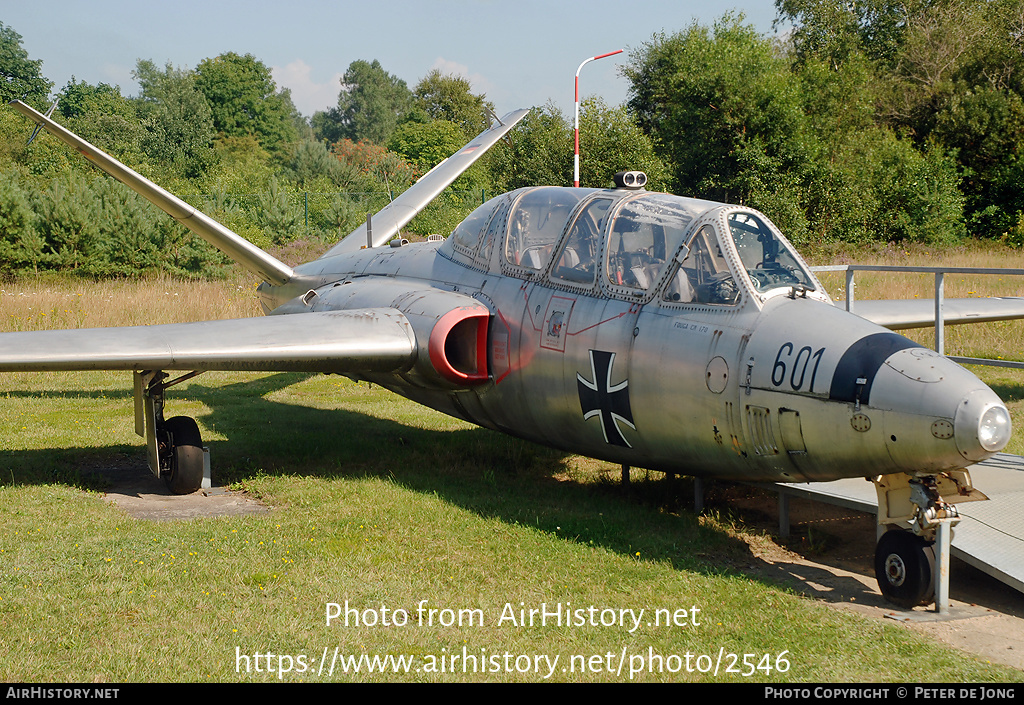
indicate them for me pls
(849, 287)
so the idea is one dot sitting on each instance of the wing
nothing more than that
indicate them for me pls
(920, 313)
(366, 340)
(399, 212)
(348, 342)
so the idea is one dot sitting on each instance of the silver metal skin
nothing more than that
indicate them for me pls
(765, 387)
(641, 328)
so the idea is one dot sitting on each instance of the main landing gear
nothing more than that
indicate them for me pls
(916, 516)
(181, 454)
(174, 447)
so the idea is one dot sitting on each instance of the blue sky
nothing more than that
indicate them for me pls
(520, 53)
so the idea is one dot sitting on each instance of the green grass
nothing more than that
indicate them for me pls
(383, 504)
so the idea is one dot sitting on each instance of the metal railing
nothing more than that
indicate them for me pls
(940, 273)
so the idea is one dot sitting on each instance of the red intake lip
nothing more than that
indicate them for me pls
(458, 345)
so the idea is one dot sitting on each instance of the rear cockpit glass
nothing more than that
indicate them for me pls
(644, 234)
(494, 229)
(467, 233)
(535, 224)
(577, 258)
(767, 257)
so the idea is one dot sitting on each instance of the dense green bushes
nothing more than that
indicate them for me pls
(95, 227)
(877, 121)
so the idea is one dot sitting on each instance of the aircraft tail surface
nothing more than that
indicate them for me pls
(398, 213)
(261, 263)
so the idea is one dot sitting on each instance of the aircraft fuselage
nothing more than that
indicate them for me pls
(778, 387)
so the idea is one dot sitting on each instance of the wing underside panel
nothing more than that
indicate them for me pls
(349, 342)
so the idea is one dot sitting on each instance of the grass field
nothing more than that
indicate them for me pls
(443, 530)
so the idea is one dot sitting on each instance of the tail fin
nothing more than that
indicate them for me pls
(399, 212)
(261, 263)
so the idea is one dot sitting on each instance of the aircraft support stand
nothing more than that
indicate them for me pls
(943, 536)
(784, 515)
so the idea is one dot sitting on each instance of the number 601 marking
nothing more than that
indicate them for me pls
(797, 373)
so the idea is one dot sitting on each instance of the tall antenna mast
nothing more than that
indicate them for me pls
(576, 157)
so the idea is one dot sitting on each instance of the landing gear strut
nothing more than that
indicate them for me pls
(174, 447)
(916, 516)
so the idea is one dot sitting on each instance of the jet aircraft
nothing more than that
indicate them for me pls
(645, 329)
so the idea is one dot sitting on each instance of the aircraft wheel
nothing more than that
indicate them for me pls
(186, 456)
(905, 569)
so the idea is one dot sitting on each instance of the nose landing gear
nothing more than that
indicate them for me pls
(916, 516)
(905, 568)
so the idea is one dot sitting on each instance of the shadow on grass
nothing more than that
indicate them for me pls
(1009, 392)
(488, 473)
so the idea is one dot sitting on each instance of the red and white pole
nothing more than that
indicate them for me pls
(576, 122)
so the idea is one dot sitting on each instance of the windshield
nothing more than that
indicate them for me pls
(766, 255)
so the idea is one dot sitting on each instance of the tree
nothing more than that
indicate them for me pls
(538, 152)
(313, 162)
(19, 244)
(375, 165)
(371, 104)
(611, 142)
(798, 137)
(20, 77)
(722, 108)
(540, 149)
(426, 144)
(955, 81)
(177, 119)
(836, 29)
(449, 97)
(244, 100)
(79, 98)
(327, 125)
(104, 117)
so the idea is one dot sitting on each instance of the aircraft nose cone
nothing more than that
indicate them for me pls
(982, 425)
(932, 401)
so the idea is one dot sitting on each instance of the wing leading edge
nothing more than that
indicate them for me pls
(348, 342)
(902, 314)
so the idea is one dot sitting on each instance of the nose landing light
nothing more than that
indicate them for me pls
(982, 426)
(994, 429)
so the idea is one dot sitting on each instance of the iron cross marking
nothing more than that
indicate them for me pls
(602, 398)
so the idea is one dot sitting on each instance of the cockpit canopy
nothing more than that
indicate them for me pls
(631, 245)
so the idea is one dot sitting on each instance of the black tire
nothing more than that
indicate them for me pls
(905, 569)
(186, 474)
